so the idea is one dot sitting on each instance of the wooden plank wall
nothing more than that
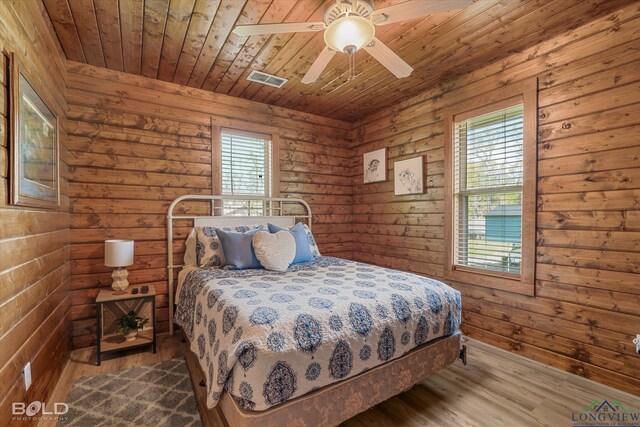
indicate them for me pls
(587, 305)
(136, 144)
(34, 243)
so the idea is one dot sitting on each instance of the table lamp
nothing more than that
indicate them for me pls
(118, 253)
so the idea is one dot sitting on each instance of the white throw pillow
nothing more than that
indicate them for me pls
(274, 251)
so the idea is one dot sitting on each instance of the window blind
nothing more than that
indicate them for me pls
(246, 171)
(488, 190)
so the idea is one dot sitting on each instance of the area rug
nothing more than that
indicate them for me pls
(160, 394)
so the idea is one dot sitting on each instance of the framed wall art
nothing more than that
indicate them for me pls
(34, 144)
(408, 176)
(375, 166)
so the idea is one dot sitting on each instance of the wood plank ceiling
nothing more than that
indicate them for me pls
(190, 42)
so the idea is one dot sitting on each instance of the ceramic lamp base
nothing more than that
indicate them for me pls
(120, 282)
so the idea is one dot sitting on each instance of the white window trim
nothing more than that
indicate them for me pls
(268, 162)
(268, 182)
(221, 124)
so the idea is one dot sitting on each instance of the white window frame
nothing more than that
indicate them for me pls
(522, 93)
(219, 126)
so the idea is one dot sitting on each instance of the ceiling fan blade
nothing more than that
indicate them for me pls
(318, 66)
(415, 9)
(285, 27)
(388, 58)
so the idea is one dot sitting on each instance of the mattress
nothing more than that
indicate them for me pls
(268, 337)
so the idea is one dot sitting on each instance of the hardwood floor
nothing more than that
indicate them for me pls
(496, 388)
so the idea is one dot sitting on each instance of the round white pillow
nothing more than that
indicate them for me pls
(274, 251)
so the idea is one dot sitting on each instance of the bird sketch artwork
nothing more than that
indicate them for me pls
(408, 176)
(375, 166)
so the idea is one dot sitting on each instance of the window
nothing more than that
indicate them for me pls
(490, 200)
(246, 167)
(488, 190)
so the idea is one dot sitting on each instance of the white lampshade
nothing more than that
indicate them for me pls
(118, 253)
(350, 30)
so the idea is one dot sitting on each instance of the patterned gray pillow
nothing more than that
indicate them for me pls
(209, 251)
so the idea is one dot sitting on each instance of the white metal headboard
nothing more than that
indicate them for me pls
(273, 206)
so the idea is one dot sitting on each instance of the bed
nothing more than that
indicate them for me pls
(315, 344)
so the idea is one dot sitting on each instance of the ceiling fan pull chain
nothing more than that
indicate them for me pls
(352, 67)
(353, 70)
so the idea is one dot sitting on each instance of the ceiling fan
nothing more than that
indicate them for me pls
(350, 25)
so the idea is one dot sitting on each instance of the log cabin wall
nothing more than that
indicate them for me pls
(34, 243)
(136, 144)
(587, 305)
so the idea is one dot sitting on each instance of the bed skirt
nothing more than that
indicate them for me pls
(338, 402)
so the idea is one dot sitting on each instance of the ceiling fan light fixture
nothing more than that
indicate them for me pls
(349, 25)
(349, 33)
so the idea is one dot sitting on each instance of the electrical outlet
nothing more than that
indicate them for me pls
(637, 343)
(27, 375)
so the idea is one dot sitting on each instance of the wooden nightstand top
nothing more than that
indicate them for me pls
(107, 294)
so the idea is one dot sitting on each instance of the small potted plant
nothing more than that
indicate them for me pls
(129, 325)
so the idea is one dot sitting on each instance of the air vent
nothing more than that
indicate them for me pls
(266, 79)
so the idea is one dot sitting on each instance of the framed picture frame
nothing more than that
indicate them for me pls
(374, 166)
(409, 176)
(34, 143)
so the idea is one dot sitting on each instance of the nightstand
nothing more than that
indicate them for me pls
(110, 307)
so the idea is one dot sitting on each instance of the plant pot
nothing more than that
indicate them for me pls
(131, 336)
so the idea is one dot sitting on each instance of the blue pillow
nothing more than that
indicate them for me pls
(238, 249)
(303, 251)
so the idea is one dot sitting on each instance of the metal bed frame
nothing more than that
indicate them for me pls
(271, 208)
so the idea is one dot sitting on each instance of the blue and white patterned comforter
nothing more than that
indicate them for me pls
(268, 337)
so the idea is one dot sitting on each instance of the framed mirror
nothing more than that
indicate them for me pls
(34, 144)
